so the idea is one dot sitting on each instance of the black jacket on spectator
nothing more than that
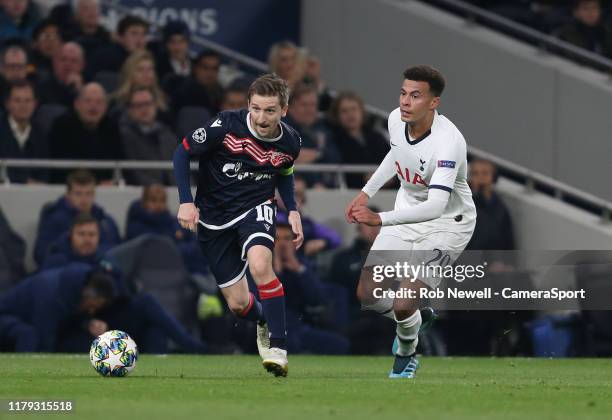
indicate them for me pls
(493, 229)
(70, 139)
(139, 143)
(192, 93)
(163, 66)
(109, 58)
(42, 64)
(371, 149)
(52, 91)
(35, 147)
(12, 254)
(92, 44)
(597, 39)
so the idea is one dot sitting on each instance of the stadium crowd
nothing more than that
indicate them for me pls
(583, 23)
(73, 90)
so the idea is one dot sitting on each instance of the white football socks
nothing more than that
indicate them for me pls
(408, 333)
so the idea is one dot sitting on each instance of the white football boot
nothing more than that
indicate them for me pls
(263, 340)
(276, 362)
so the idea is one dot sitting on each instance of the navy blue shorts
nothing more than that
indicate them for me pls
(226, 248)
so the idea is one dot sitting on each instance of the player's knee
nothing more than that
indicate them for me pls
(403, 308)
(238, 305)
(261, 270)
(403, 313)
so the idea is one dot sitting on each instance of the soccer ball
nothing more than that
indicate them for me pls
(113, 353)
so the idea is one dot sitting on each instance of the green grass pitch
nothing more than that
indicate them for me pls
(237, 387)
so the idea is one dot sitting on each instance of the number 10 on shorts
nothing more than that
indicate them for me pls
(265, 214)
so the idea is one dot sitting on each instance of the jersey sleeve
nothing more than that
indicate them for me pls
(287, 167)
(448, 160)
(385, 171)
(207, 137)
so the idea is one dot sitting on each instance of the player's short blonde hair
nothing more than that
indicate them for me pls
(270, 85)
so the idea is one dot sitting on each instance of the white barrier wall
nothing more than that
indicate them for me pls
(507, 98)
(540, 222)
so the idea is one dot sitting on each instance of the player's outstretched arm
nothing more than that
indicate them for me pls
(296, 226)
(360, 200)
(430, 209)
(286, 189)
(364, 215)
(188, 214)
(385, 171)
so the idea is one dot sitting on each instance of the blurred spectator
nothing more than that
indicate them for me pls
(493, 225)
(88, 31)
(286, 60)
(144, 137)
(587, 30)
(46, 43)
(12, 255)
(17, 19)
(303, 116)
(131, 37)
(86, 132)
(317, 236)
(542, 15)
(517, 10)
(150, 215)
(14, 63)
(33, 312)
(19, 137)
(138, 71)
(312, 75)
(306, 298)
(234, 97)
(67, 78)
(174, 60)
(366, 330)
(347, 263)
(13, 66)
(80, 244)
(357, 142)
(57, 217)
(203, 87)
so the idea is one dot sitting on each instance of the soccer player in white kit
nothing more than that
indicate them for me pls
(434, 213)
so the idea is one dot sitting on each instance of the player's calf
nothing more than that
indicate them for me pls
(408, 318)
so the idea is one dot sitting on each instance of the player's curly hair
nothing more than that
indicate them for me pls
(270, 85)
(425, 73)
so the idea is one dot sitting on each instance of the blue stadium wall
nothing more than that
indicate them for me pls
(249, 27)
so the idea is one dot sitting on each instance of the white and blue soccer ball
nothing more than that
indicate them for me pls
(114, 353)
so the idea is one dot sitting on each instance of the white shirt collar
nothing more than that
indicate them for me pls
(20, 136)
(182, 69)
(436, 119)
(248, 118)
